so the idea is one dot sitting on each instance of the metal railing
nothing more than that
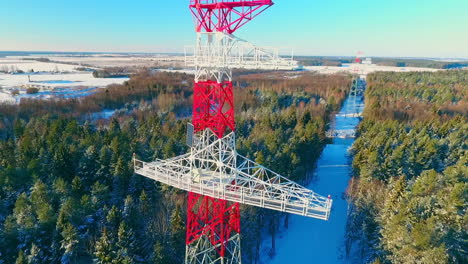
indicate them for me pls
(179, 176)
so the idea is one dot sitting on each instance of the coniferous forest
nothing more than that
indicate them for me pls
(409, 191)
(68, 193)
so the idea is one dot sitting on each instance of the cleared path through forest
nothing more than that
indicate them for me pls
(309, 240)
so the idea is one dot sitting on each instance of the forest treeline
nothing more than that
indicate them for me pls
(417, 96)
(424, 63)
(409, 191)
(67, 188)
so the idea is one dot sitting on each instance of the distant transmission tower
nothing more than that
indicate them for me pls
(359, 56)
(215, 175)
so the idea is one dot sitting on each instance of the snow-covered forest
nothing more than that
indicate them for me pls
(67, 189)
(409, 190)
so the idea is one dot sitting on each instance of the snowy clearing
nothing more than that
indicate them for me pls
(310, 240)
(77, 79)
(363, 69)
(14, 64)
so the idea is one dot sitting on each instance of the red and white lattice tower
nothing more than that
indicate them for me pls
(359, 56)
(215, 175)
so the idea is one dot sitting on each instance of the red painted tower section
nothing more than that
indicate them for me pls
(225, 15)
(216, 219)
(213, 108)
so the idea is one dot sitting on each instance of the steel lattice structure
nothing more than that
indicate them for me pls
(225, 15)
(228, 51)
(214, 168)
(217, 178)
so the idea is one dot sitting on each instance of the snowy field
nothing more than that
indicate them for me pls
(6, 97)
(77, 79)
(102, 61)
(60, 75)
(69, 85)
(14, 63)
(53, 80)
(70, 62)
(310, 240)
(363, 69)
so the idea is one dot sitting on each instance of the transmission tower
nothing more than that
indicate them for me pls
(216, 177)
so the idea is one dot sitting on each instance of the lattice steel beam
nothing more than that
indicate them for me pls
(213, 168)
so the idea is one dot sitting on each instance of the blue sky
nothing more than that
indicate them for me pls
(411, 28)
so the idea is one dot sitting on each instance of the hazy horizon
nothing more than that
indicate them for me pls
(30, 52)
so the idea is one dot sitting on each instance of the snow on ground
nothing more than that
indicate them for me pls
(57, 93)
(310, 240)
(71, 84)
(363, 69)
(104, 114)
(77, 79)
(6, 97)
(28, 65)
(186, 71)
(105, 60)
(71, 61)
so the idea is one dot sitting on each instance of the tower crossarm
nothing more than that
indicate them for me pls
(224, 51)
(225, 15)
(223, 174)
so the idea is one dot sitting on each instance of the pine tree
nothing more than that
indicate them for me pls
(178, 231)
(62, 161)
(113, 218)
(105, 251)
(23, 212)
(103, 172)
(114, 127)
(25, 219)
(99, 194)
(130, 211)
(88, 165)
(394, 199)
(9, 239)
(69, 243)
(39, 193)
(21, 258)
(126, 241)
(55, 250)
(61, 188)
(35, 255)
(66, 213)
(41, 203)
(77, 186)
(144, 204)
(159, 254)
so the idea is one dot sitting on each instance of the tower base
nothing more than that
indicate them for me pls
(203, 252)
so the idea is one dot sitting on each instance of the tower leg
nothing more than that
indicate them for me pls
(213, 231)
(213, 225)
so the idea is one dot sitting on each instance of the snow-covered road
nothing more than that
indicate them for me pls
(309, 240)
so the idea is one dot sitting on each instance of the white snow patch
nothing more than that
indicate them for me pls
(6, 97)
(78, 79)
(364, 69)
(310, 240)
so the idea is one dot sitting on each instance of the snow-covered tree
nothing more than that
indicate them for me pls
(69, 243)
(105, 250)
